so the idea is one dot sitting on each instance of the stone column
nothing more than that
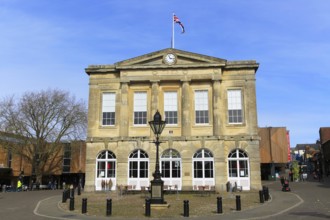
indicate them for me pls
(93, 108)
(186, 109)
(90, 168)
(251, 112)
(216, 108)
(124, 111)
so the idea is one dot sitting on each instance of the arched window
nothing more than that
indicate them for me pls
(171, 164)
(138, 164)
(171, 169)
(203, 169)
(203, 164)
(238, 163)
(106, 165)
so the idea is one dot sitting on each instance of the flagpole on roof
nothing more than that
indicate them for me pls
(172, 30)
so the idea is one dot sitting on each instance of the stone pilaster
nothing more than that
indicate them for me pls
(154, 97)
(123, 119)
(251, 113)
(186, 109)
(216, 108)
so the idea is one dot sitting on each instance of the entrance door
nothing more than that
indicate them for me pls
(138, 163)
(105, 171)
(171, 169)
(238, 169)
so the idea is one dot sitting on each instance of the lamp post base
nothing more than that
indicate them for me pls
(157, 193)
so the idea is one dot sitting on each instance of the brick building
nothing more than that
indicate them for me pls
(274, 151)
(325, 149)
(65, 165)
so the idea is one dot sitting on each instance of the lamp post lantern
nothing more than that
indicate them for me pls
(157, 184)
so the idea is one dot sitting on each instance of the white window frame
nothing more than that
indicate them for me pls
(140, 108)
(235, 106)
(173, 157)
(109, 108)
(171, 107)
(105, 157)
(138, 181)
(203, 181)
(202, 107)
(242, 178)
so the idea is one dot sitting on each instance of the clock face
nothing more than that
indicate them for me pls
(170, 58)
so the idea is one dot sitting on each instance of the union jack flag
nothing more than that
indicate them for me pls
(177, 20)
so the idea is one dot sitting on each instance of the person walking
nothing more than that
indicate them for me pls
(19, 185)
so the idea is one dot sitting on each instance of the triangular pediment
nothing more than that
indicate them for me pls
(157, 60)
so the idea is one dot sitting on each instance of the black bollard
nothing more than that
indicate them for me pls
(72, 192)
(147, 210)
(261, 196)
(67, 193)
(109, 207)
(219, 204)
(71, 204)
(266, 193)
(64, 198)
(84, 205)
(186, 208)
(238, 203)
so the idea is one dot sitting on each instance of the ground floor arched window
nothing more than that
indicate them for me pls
(105, 171)
(203, 168)
(138, 170)
(171, 169)
(239, 168)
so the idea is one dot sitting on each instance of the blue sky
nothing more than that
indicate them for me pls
(47, 44)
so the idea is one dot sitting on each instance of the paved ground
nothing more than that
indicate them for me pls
(307, 200)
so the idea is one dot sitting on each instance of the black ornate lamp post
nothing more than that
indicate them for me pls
(157, 195)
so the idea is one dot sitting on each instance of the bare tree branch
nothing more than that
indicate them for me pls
(40, 121)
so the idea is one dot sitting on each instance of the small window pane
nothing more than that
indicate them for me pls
(208, 169)
(198, 154)
(111, 155)
(111, 169)
(198, 169)
(143, 169)
(143, 154)
(101, 169)
(176, 170)
(232, 168)
(207, 153)
(133, 166)
(166, 169)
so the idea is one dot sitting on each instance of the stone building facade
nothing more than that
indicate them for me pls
(209, 104)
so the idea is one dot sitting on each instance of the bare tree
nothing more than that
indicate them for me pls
(38, 124)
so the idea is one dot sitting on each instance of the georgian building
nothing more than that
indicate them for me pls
(209, 104)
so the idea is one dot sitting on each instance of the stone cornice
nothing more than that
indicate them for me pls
(100, 69)
(245, 64)
(172, 138)
(177, 66)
